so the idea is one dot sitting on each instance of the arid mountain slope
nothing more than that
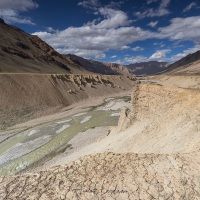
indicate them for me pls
(99, 67)
(147, 68)
(186, 81)
(187, 65)
(143, 68)
(21, 52)
(119, 68)
(25, 94)
(155, 155)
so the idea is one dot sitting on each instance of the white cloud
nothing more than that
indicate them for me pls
(160, 44)
(182, 29)
(96, 54)
(160, 11)
(114, 4)
(151, 1)
(135, 59)
(137, 48)
(10, 9)
(51, 29)
(113, 56)
(110, 33)
(153, 24)
(125, 47)
(92, 4)
(22, 5)
(190, 6)
(114, 18)
(160, 55)
(114, 32)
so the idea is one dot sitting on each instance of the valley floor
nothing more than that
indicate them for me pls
(153, 152)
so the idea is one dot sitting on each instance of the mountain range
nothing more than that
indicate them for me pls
(187, 65)
(21, 52)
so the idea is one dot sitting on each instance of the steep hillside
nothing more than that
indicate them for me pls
(24, 53)
(182, 81)
(187, 65)
(121, 69)
(147, 68)
(143, 68)
(99, 67)
(26, 94)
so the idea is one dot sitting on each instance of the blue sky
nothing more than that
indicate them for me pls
(123, 31)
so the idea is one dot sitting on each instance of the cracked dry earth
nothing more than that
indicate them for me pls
(110, 176)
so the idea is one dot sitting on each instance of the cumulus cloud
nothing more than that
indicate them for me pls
(22, 5)
(160, 11)
(96, 54)
(189, 7)
(135, 59)
(153, 24)
(51, 29)
(160, 44)
(137, 48)
(114, 32)
(160, 55)
(92, 4)
(114, 18)
(114, 4)
(151, 1)
(10, 10)
(125, 47)
(93, 39)
(182, 29)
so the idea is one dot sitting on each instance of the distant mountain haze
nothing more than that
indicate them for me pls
(144, 68)
(147, 68)
(99, 67)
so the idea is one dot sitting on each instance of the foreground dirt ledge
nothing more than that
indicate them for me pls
(110, 176)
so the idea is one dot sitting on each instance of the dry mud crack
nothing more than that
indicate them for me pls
(109, 176)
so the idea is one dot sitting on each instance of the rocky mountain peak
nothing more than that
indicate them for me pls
(2, 21)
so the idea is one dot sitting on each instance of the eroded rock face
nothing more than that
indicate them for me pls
(127, 116)
(124, 120)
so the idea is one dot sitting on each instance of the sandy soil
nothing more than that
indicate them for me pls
(154, 153)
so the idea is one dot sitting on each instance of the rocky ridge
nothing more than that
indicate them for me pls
(21, 52)
(189, 65)
(99, 67)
